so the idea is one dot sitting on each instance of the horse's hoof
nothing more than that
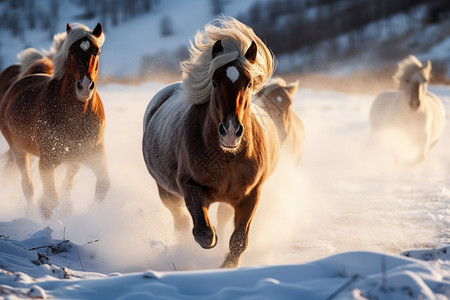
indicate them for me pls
(47, 207)
(46, 212)
(207, 239)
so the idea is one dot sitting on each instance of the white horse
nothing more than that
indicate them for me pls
(411, 111)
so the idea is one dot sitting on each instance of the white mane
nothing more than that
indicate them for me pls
(407, 68)
(236, 38)
(79, 32)
(58, 40)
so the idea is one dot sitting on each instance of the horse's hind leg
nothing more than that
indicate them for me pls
(22, 159)
(175, 206)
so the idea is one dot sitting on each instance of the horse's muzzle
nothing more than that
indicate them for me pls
(231, 135)
(84, 89)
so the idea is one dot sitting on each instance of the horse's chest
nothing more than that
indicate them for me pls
(228, 177)
(68, 137)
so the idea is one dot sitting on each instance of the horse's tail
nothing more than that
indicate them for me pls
(8, 155)
(27, 58)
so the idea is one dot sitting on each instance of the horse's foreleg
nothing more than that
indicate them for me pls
(66, 205)
(99, 165)
(243, 215)
(22, 160)
(69, 180)
(50, 199)
(204, 233)
(174, 205)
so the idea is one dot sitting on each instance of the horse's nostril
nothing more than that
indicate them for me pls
(79, 85)
(222, 129)
(92, 85)
(239, 131)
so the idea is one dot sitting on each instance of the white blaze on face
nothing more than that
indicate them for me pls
(85, 45)
(232, 74)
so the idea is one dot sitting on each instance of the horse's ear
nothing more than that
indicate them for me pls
(68, 28)
(217, 48)
(98, 30)
(252, 52)
(292, 87)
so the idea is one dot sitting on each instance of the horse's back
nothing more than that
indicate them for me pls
(158, 99)
(162, 132)
(21, 99)
(27, 88)
(42, 66)
(19, 111)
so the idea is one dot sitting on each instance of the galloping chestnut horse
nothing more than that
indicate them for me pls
(202, 140)
(59, 118)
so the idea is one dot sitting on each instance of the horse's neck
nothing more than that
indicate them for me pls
(68, 98)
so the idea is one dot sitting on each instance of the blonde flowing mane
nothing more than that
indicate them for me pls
(30, 55)
(78, 32)
(236, 38)
(407, 68)
(58, 41)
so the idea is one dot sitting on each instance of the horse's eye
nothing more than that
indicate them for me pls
(249, 86)
(214, 84)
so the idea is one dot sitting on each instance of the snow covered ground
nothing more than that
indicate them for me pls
(333, 228)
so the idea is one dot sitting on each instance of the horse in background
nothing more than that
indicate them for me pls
(415, 113)
(59, 118)
(276, 99)
(202, 140)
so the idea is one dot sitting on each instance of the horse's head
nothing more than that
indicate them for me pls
(418, 85)
(276, 99)
(412, 77)
(230, 98)
(83, 63)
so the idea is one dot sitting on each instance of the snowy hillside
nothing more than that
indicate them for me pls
(130, 41)
(155, 37)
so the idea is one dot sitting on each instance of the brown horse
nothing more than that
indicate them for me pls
(276, 99)
(202, 140)
(59, 118)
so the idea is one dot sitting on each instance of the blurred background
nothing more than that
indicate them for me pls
(337, 44)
